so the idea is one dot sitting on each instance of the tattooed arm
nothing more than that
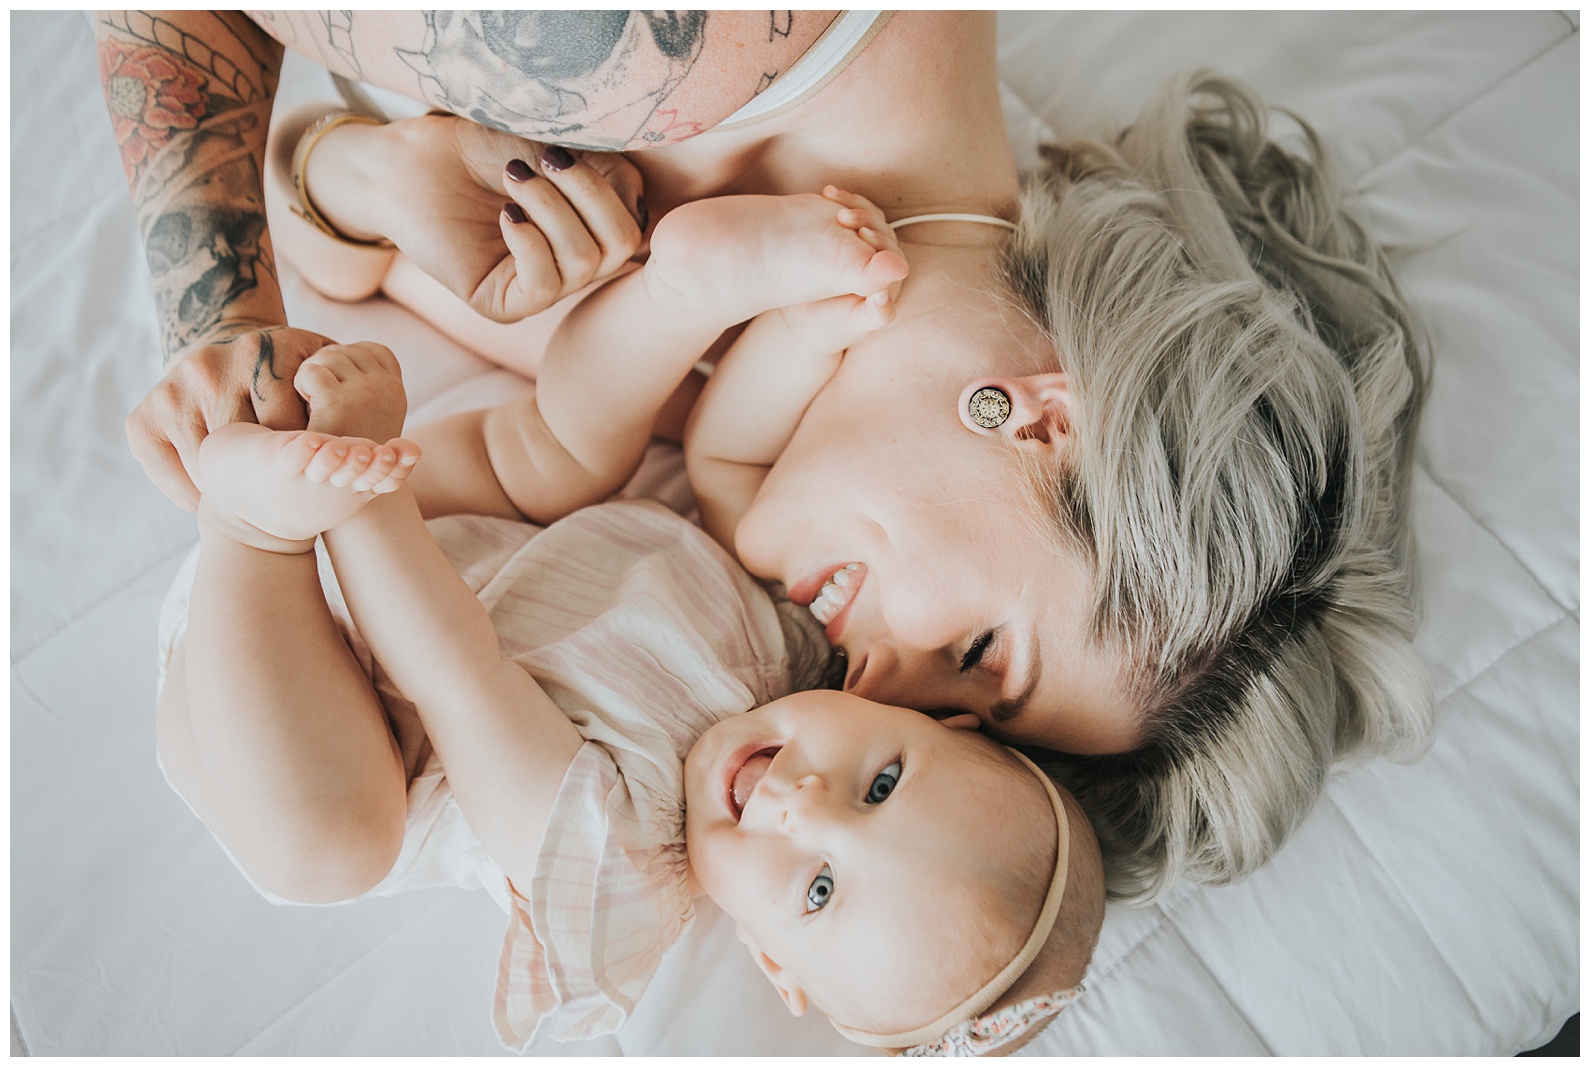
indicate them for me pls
(189, 95)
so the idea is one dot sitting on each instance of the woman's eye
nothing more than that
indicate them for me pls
(974, 655)
(884, 783)
(821, 890)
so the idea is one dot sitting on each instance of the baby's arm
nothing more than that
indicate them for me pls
(755, 398)
(506, 745)
(622, 352)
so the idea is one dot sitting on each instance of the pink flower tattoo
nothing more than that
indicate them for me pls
(152, 98)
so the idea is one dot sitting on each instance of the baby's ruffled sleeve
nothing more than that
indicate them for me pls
(609, 895)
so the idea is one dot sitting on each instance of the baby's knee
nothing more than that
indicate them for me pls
(326, 864)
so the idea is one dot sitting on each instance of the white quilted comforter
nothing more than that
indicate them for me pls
(1430, 909)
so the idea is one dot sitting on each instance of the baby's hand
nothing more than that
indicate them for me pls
(354, 391)
(737, 256)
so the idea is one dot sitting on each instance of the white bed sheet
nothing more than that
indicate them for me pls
(1427, 909)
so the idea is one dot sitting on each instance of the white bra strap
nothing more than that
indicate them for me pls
(954, 216)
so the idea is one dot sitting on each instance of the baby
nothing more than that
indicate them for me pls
(590, 689)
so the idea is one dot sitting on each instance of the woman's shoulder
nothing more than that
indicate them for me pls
(610, 80)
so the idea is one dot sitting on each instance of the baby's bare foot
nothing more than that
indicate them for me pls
(742, 255)
(295, 484)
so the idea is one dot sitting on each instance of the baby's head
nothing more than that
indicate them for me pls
(886, 867)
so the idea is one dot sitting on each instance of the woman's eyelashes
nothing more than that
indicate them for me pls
(821, 890)
(974, 654)
(883, 783)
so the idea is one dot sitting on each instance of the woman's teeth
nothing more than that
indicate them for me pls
(836, 593)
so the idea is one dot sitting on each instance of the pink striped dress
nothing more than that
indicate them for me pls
(645, 633)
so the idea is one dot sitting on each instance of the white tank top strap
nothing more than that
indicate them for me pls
(954, 216)
(831, 53)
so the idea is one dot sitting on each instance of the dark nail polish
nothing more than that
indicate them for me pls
(519, 171)
(556, 158)
(642, 213)
(515, 213)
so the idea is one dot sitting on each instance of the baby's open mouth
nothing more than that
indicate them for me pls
(743, 784)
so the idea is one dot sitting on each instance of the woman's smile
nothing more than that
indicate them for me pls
(831, 606)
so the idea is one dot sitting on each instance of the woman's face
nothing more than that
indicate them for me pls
(952, 592)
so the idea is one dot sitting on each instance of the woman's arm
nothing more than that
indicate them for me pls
(189, 95)
(505, 744)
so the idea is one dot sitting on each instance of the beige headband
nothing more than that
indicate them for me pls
(979, 1001)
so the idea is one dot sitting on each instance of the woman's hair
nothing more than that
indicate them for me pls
(1245, 386)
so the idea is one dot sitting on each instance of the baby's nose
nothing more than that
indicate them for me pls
(805, 803)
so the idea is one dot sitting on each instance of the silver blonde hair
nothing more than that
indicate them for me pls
(1246, 383)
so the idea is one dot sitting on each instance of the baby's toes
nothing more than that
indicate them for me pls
(405, 454)
(883, 268)
(327, 459)
(355, 463)
(382, 461)
(295, 451)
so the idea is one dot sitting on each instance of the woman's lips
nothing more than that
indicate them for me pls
(744, 768)
(803, 592)
(829, 594)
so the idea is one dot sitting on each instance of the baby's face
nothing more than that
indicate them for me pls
(853, 843)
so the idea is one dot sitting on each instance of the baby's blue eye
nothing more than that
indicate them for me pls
(884, 784)
(821, 890)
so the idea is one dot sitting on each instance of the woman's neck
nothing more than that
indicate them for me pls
(913, 123)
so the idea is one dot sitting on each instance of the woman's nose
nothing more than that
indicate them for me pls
(905, 678)
(922, 616)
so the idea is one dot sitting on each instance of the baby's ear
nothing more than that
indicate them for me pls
(788, 988)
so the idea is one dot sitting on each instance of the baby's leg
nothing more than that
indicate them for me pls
(738, 256)
(273, 732)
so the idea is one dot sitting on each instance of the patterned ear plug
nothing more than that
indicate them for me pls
(989, 407)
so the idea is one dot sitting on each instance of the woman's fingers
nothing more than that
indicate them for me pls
(620, 174)
(587, 221)
(535, 282)
(567, 233)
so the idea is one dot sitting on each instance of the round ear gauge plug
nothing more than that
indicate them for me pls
(989, 407)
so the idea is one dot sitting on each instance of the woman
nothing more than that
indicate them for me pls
(1181, 557)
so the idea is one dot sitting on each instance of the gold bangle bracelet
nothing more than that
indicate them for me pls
(305, 207)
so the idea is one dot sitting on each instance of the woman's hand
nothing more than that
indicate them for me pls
(243, 374)
(437, 187)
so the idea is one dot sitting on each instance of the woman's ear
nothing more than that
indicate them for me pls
(1039, 414)
(789, 989)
